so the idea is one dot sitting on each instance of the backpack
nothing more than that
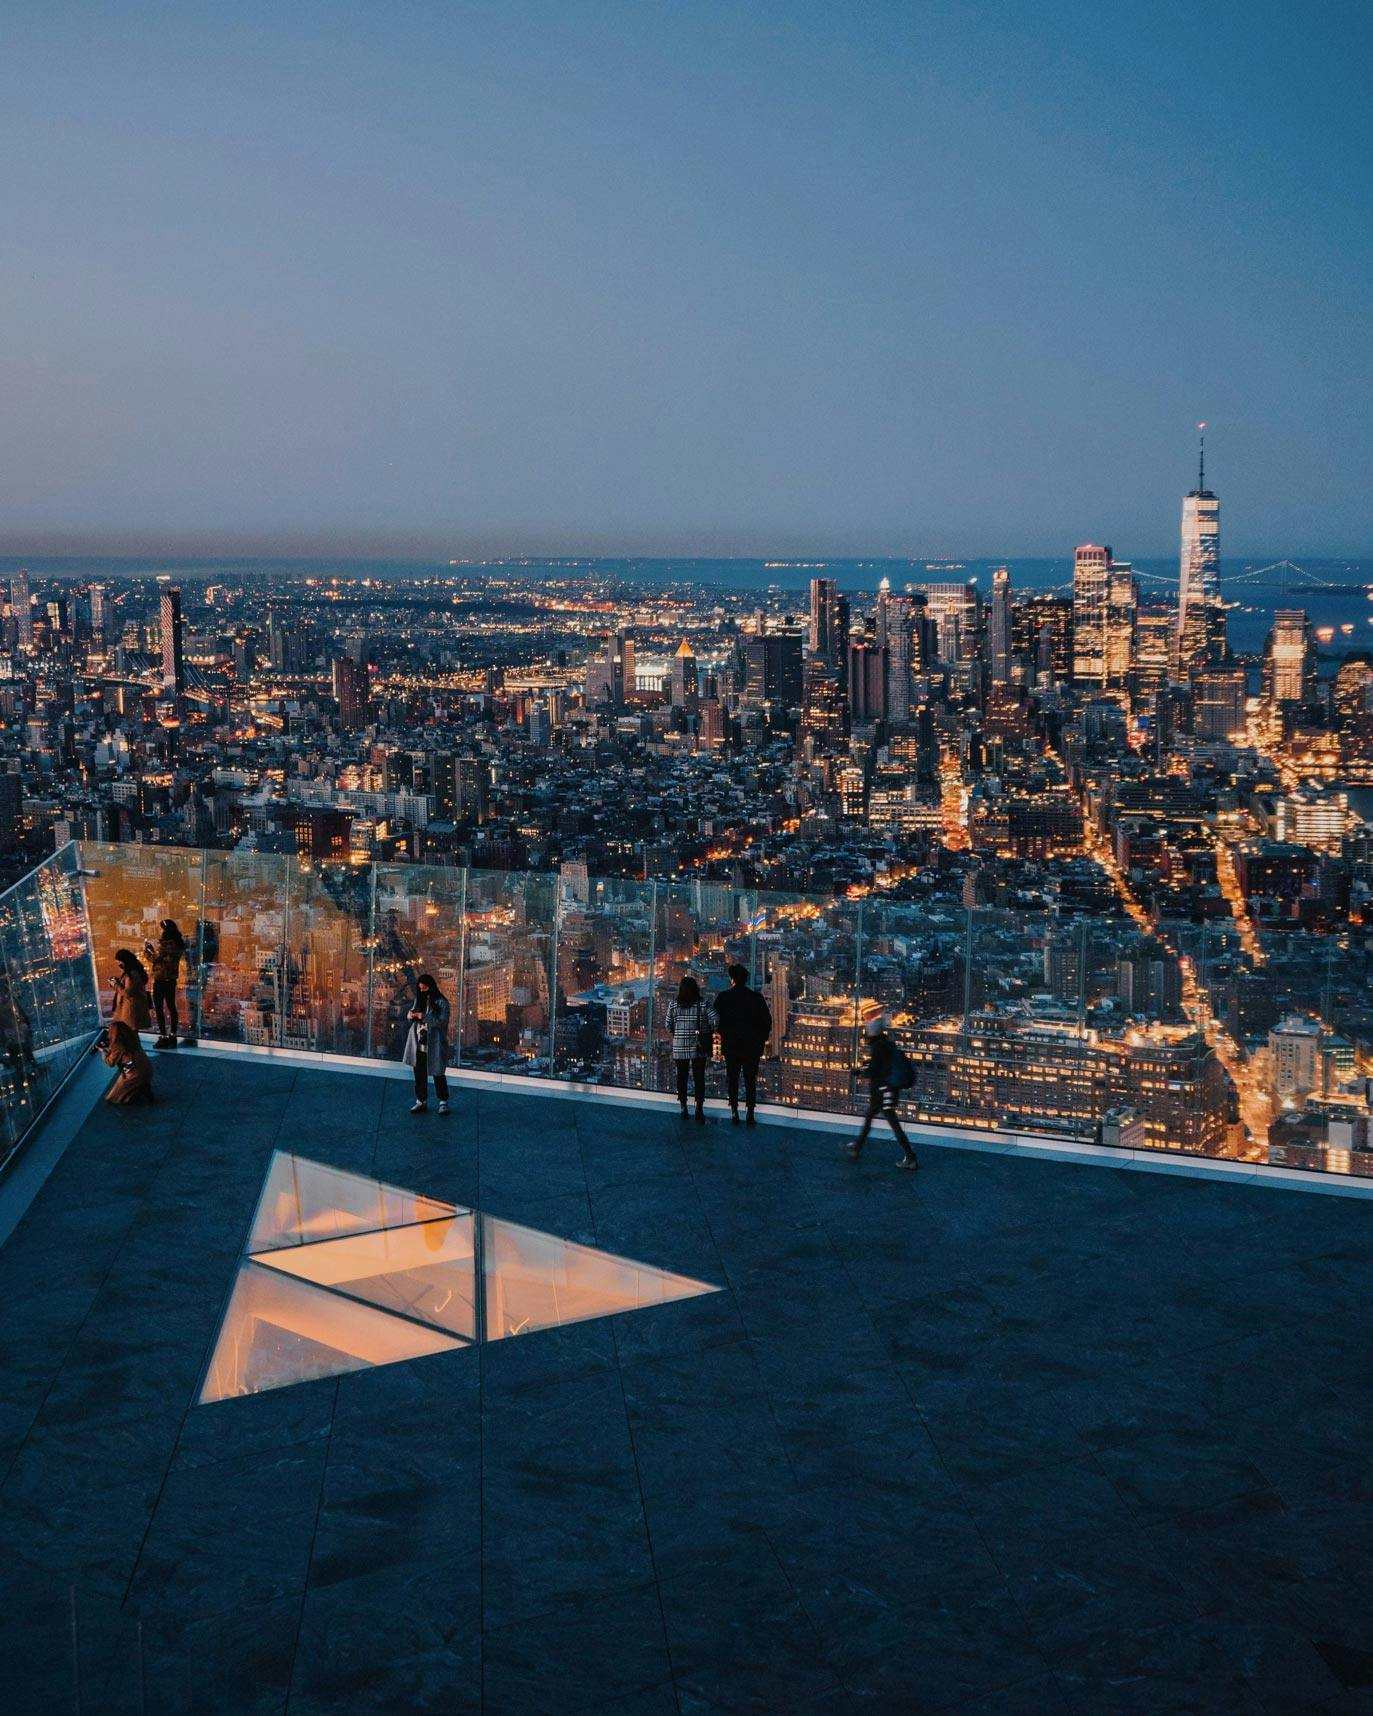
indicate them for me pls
(902, 1075)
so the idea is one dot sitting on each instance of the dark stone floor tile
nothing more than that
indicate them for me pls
(1178, 1471)
(585, 1654)
(743, 1645)
(394, 1642)
(234, 1664)
(234, 1534)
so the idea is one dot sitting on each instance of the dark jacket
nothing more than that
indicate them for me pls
(877, 1069)
(745, 1023)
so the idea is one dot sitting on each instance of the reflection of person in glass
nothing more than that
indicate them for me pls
(165, 959)
(135, 1077)
(426, 1044)
(16, 1033)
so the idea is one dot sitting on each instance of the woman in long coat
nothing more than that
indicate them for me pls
(123, 1050)
(426, 1043)
(130, 986)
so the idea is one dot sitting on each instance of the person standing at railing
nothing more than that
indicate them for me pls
(888, 1072)
(745, 1022)
(691, 1022)
(426, 1045)
(123, 1050)
(165, 959)
(130, 986)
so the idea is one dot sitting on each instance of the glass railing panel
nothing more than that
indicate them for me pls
(508, 997)
(806, 952)
(252, 983)
(329, 914)
(129, 891)
(418, 931)
(48, 1008)
(605, 981)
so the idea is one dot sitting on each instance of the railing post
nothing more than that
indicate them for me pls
(371, 952)
(650, 1045)
(198, 1011)
(462, 972)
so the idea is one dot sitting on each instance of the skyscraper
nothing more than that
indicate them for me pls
(999, 631)
(351, 690)
(1201, 613)
(100, 615)
(1122, 603)
(1091, 583)
(21, 601)
(173, 652)
(1289, 659)
(902, 620)
(682, 684)
(829, 622)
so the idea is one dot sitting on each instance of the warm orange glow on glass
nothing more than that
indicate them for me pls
(343, 1273)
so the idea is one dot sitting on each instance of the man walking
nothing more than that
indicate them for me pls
(887, 1071)
(745, 1024)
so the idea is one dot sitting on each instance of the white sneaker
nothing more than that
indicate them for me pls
(443, 1108)
(420, 1108)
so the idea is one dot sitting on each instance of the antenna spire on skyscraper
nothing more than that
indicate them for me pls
(1201, 457)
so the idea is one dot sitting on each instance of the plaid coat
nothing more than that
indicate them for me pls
(687, 1024)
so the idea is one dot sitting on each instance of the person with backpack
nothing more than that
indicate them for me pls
(888, 1071)
(166, 956)
(745, 1023)
(691, 1024)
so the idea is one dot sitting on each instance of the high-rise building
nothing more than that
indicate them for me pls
(999, 626)
(1289, 659)
(21, 602)
(868, 663)
(682, 681)
(1153, 652)
(1219, 695)
(829, 622)
(100, 615)
(351, 692)
(1201, 612)
(173, 646)
(773, 668)
(903, 654)
(955, 611)
(1042, 637)
(1122, 606)
(1294, 1046)
(1091, 587)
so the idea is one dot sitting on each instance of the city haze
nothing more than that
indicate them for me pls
(678, 280)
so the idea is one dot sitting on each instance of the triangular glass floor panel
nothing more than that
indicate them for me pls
(303, 1201)
(427, 1271)
(344, 1273)
(278, 1331)
(538, 1281)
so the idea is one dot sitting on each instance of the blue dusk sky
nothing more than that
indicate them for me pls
(683, 277)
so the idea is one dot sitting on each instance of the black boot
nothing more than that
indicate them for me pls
(700, 1114)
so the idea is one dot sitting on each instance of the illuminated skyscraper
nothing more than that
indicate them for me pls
(999, 630)
(1201, 613)
(351, 692)
(682, 684)
(21, 601)
(1289, 659)
(1091, 581)
(173, 650)
(1122, 603)
(100, 615)
(902, 623)
(829, 622)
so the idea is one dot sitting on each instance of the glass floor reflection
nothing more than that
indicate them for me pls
(343, 1273)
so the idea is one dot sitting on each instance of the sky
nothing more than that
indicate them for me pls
(675, 276)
